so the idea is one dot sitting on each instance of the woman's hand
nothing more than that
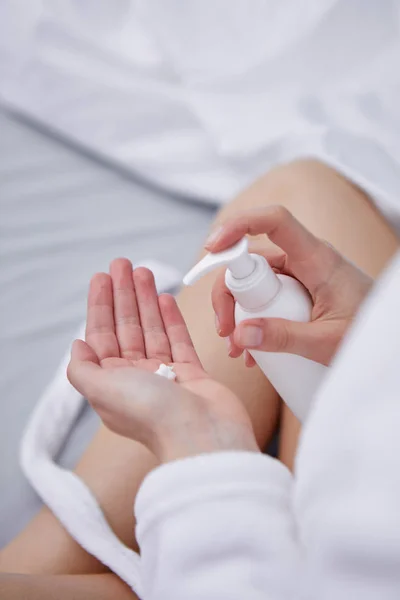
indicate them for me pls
(131, 331)
(336, 286)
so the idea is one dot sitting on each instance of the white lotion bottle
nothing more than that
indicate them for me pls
(261, 293)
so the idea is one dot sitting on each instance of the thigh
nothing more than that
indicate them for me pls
(64, 587)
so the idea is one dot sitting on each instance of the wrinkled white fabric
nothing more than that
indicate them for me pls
(202, 98)
(237, 525)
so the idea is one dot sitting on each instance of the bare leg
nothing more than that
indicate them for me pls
(64, 587)
(113, 467)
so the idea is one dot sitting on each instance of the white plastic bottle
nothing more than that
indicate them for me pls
(260, 293)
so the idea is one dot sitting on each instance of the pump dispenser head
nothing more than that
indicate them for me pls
(237, 258)
(249, 277)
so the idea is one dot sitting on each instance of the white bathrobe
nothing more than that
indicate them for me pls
(239, 526)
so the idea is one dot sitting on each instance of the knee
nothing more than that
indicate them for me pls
(285, 185)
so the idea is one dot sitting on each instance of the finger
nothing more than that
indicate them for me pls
(284, 230)
(126, 312)
(310, 340)
(84, 371)
(222, 300)
(181, 344)
(224, 306)
(100, 327)
(249, 360)
(155, 337)
(275, 221)
(82, 352)
(233, 350)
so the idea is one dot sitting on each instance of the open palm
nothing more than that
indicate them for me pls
(129, 325)
(130, 329)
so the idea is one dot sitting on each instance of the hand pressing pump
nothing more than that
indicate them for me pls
(261, 293)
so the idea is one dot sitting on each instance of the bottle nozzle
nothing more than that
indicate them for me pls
(237, 258)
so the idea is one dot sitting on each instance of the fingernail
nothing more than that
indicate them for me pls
(214, 235)
(228, 344)
(250, 336)
(217, 324)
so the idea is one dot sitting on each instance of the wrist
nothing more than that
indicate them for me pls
(205, 437)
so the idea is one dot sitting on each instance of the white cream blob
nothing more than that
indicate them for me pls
(166, 371)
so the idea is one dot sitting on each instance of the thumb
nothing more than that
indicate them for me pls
(310, 340)
(84, 370)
